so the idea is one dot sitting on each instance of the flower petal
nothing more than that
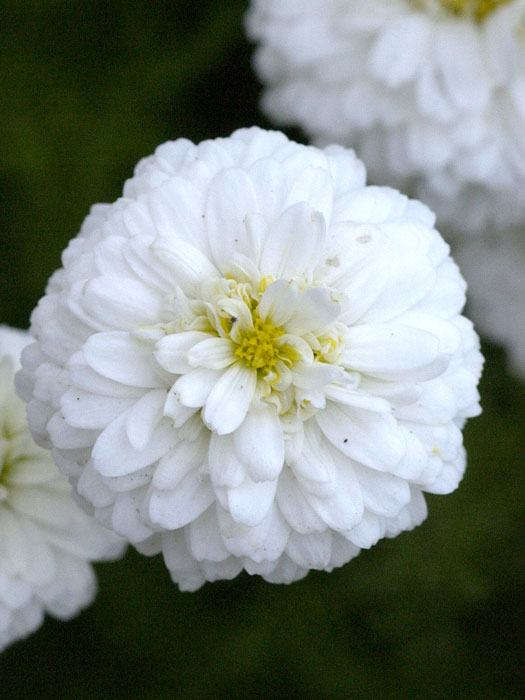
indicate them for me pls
(84, 410)
(177, 508)
(171, 352)
(189, 265)
(315, 309)
(121, 302)
(183, 458)
(213, 353)
(114, 455)
(144, 417)
(231, 197)
(343, 508)
(373, 439)
(230, 399)
(259, 444)
(250, 502)
(295, 508)
(205, 541)
(225, 468)
(118, 356)
(393, 352)
(194, 388)
(278, 302)
(173, 408)
(293, 242)
(383, 494)
(310, 551)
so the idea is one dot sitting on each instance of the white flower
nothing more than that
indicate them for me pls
(495, 266)
(46, 541)
(431, 93)
(252, 360)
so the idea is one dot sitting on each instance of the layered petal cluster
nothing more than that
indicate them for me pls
(254, 361)
(46, 541)
(431, 93)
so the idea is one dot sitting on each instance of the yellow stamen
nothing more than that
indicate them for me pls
(476, 9)
(258, 348)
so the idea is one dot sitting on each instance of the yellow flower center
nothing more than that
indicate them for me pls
(258, 347)
(476, 9)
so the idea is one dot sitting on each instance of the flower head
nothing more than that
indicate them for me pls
(254, 361)
(46, 541)
(431, 93)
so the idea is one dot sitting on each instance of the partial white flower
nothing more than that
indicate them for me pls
(431, 93)
(495, 267)
(253, 361)
(46, 540)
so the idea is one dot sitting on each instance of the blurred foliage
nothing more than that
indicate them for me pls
(87, 89)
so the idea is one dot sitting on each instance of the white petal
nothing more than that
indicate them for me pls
(113, 454)
(315, 309)
(118, 356)
(213, 353)
(315, 186)
(230, 399)
(250, 502)
(357, 399)
(259, 444)
(194, 388)
(144, 417)
(343, 509)
(171, 352)
(121, 302)
(383, 494)
(83, 410)
(393, 352)
(295, 508)
(311, 551)
(395, 66)
(189, 265)
(173, 467)
(314, 462)
(179, 560)
(293, 242)
(316, 375)
(83, 377)
(225, 468)
(176, 209)
(125, 519)
(278, 302)
(205, 541)
(373, 439)
(174, 509)
(409, 280)
(263, 542)
(65, 437)
(231, 197)
(173, 408)
(368, 531)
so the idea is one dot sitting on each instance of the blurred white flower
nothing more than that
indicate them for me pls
(495, 267)
(46, 541)
(431, 93)
(254, 361)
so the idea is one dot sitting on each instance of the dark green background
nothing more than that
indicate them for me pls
(86, 89)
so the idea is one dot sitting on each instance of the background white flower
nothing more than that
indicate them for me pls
(46, 541)
(252, 360)
(495, 267)
(431, 93)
